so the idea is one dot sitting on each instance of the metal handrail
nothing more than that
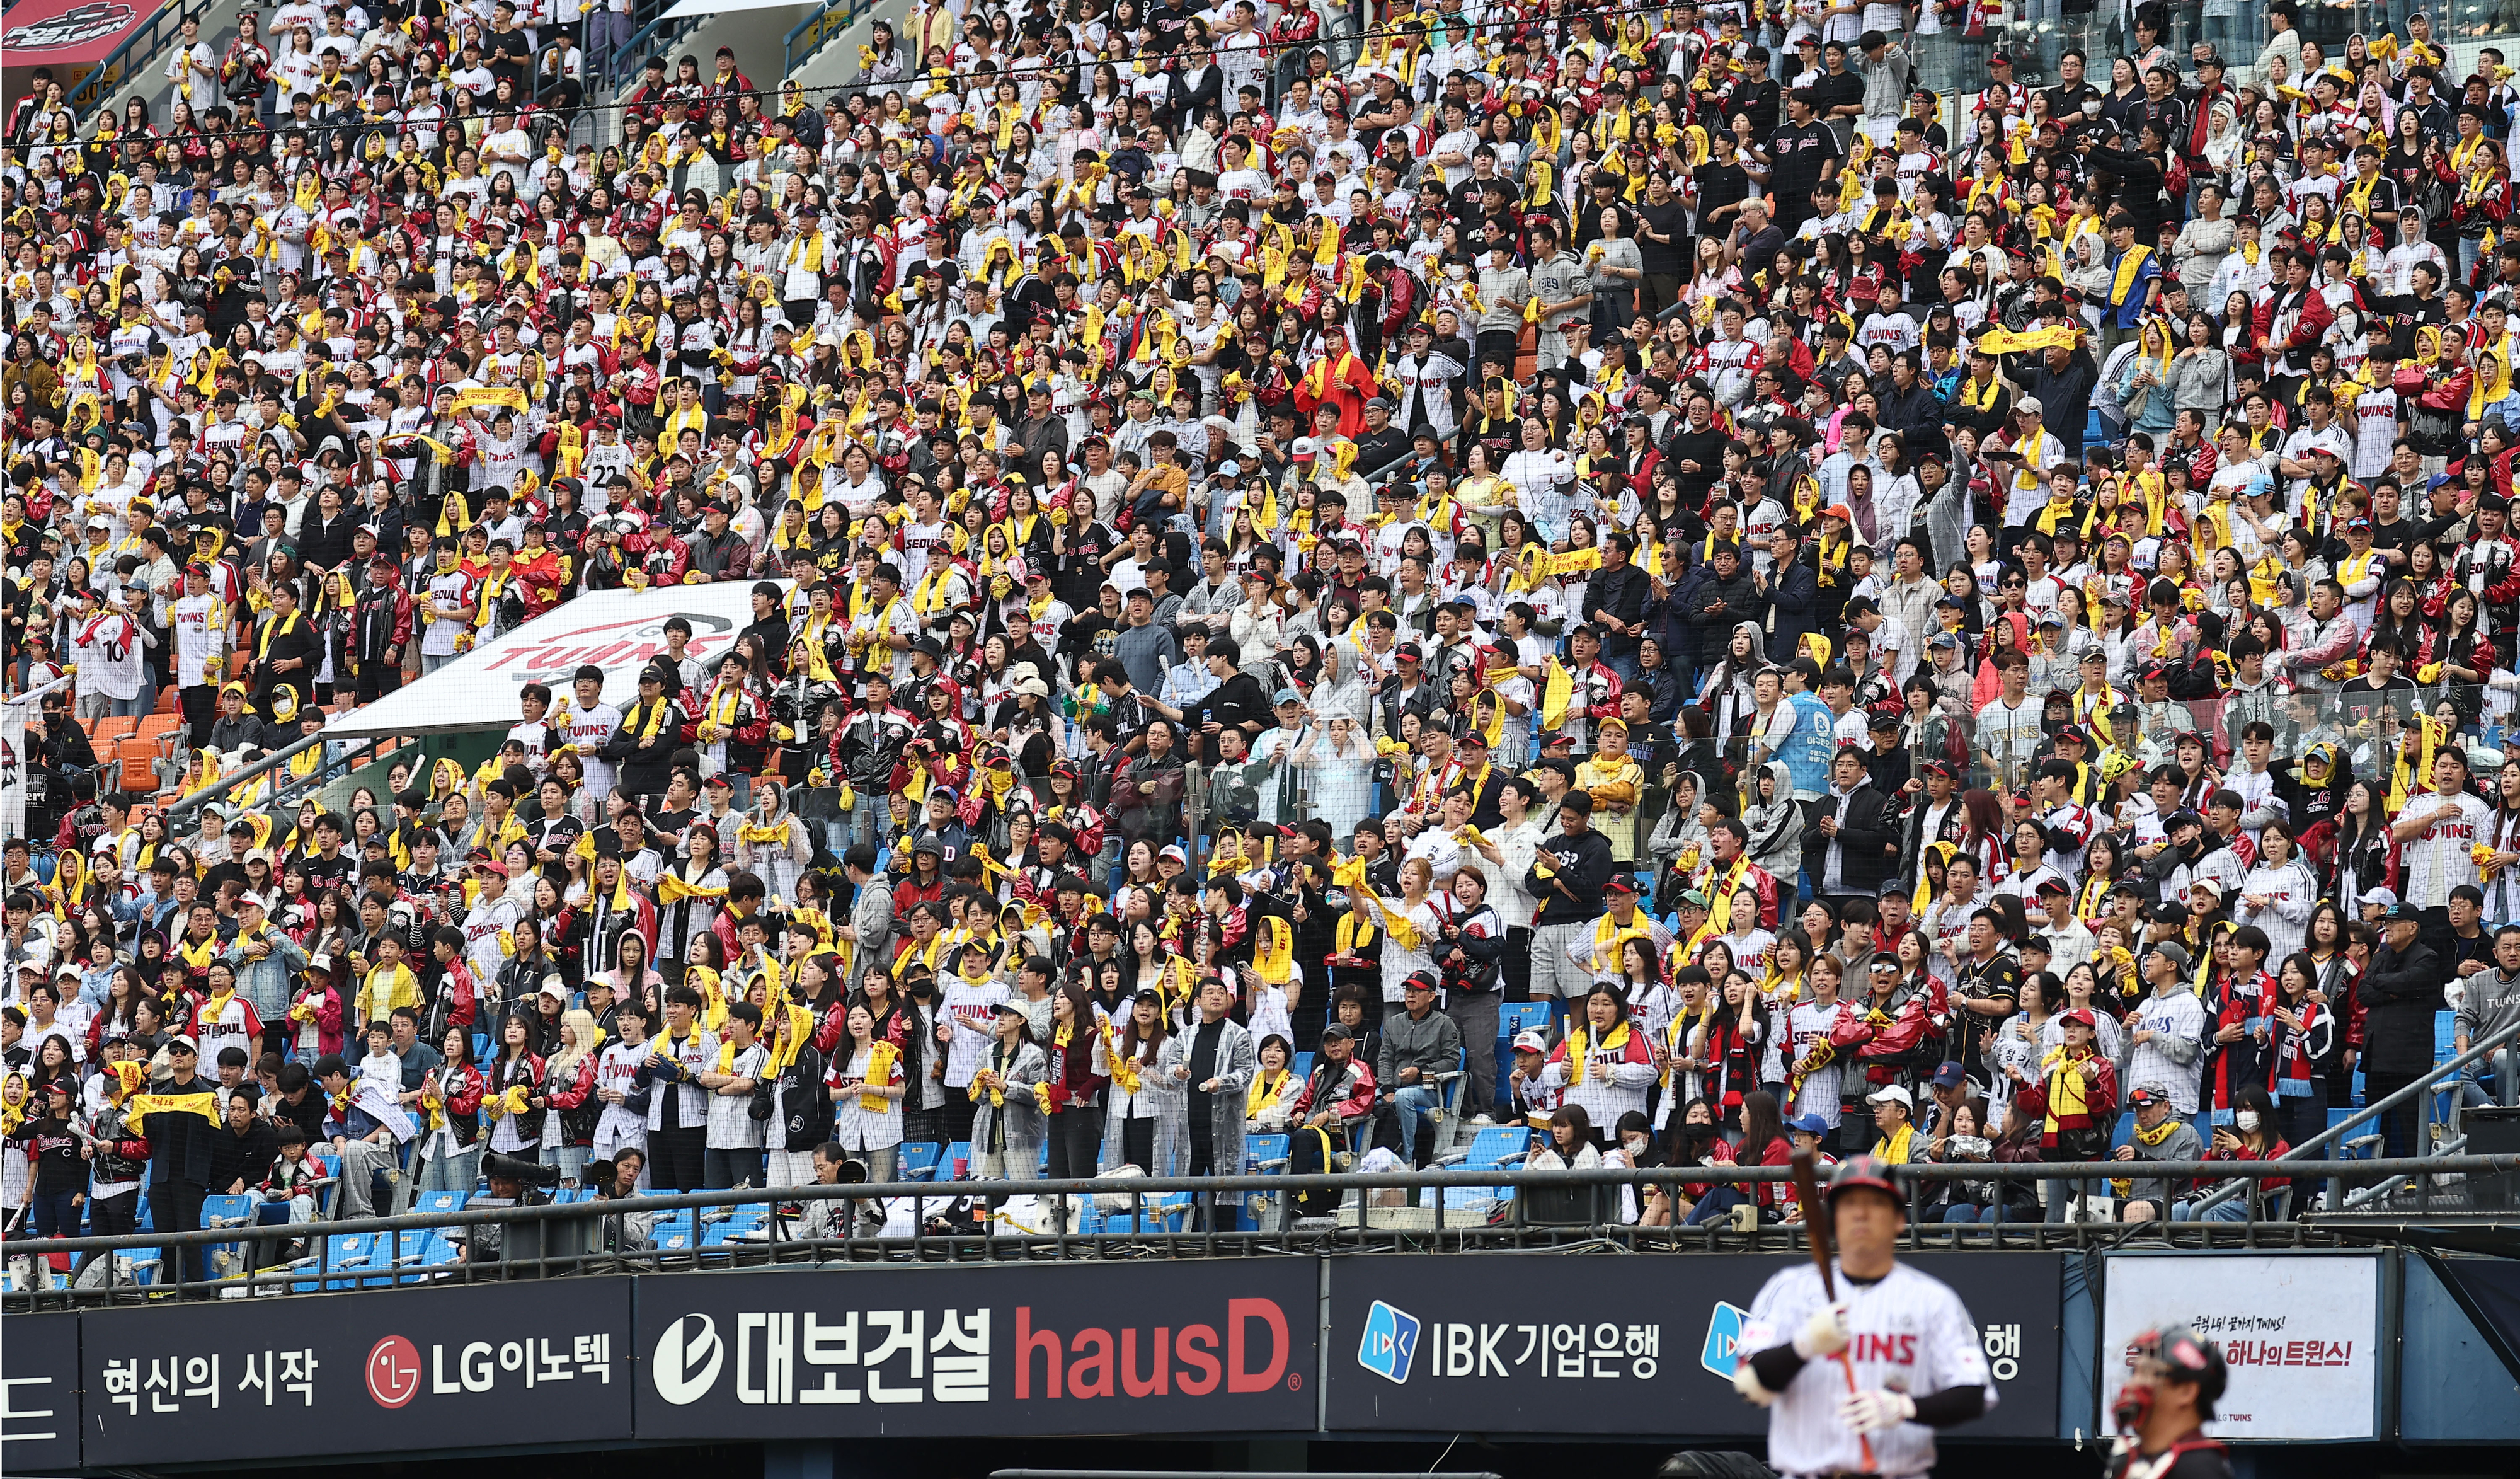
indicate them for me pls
(2429, 1084)
(788, 54)
(365, 751)
(1141, 1193)
(108, 76)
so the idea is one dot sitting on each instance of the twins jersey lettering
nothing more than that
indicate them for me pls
(1908, 1332)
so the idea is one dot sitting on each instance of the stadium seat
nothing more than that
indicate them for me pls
(111, 731)
(1265, 1153)
(1302, 1067)
(441, 1202)
(227, 1260)
(2124, 1134)
(919, 1160)
(136, 760)
(170, 700)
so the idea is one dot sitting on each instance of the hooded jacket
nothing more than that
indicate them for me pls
(1775, 826)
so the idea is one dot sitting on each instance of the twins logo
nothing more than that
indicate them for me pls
(70, 27)
(1390, 1343)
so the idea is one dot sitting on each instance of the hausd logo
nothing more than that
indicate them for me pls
(1723, 1339)
(687, 1360)
(1251, 1356)
(1390, 1343)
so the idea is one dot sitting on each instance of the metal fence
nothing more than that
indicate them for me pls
(1150, 1217)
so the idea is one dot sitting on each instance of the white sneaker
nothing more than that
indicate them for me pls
(1483, 1120)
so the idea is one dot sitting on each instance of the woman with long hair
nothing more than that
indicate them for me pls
(1007, 1128)
(2367, 853)
(568, 1097)
(2252, 1135)
(1079, 1068)
(1132, 1055)
(450, 1101)
(1762, 1142)
(868, 1085)
(515, 1077)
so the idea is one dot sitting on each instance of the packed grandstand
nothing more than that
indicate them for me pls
(1637, 586)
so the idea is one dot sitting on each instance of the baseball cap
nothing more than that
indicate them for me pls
(1532, 1041)
(1809, 1123)
(1950, 1075)
(2082, 1015)
(2148, 1093)
(2383, 898)
(183, 1042)
(1891, 1093)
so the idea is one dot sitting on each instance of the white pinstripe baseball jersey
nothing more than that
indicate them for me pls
(1909, 1333)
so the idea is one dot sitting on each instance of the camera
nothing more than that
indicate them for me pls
(511, 1169)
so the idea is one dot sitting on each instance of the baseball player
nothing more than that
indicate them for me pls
(1857, 1385)
(2174, 1380)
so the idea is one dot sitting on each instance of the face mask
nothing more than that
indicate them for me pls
(1636, 1145)
(2245, 1120)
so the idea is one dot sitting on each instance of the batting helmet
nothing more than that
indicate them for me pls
(1862, 1171)
(2184, 1356)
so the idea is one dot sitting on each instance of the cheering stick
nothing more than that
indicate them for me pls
(1815, 1223)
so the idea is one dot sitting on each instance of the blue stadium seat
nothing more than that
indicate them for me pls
(2124, 1134)
(1263, 1153)
(674, 1233)
(919, 1159)
(226, 1260)
(1302, 1067)
(1166, 1213)
(2445, 1035)
(442, 1202)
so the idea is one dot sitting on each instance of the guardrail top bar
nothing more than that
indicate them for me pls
(1139, 1187)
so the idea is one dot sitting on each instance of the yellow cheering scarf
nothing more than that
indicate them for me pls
(1266, 1091)
(882, 1055)
(1556, 696)
(1126, 1072)
(198, 957)
(139, 1107)
(1720, 906)
(672, 888)
(2068, 1093)
(272, 629)
(712, 989)
(998, 1059)
(1579, 1047)
(2406, 783)
(2492, 384)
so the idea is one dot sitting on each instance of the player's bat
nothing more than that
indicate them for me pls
(1815, 1223)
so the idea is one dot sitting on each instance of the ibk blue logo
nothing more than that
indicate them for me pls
(1390, 1343)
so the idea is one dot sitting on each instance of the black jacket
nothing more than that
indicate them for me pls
(1869, 839)
(2399, 995)
(809, 1117)
(181, 1144)
(1715, 606)
(1583, 864)
(1622, 593)
(246, 1157)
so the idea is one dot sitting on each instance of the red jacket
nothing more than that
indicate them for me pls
(2099, 1099)
(1325, 1080)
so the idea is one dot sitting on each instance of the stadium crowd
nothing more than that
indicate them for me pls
(1272, 541)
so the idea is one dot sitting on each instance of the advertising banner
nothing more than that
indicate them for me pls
(2300, 1333)
(1035, 1351)
(389, 1372)
(69, 36)
(1529, 1342)
(39, 1417)
(616, 630)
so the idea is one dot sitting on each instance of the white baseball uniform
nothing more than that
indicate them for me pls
(1907, 1332)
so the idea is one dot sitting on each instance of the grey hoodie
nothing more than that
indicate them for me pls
(1776, 826)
